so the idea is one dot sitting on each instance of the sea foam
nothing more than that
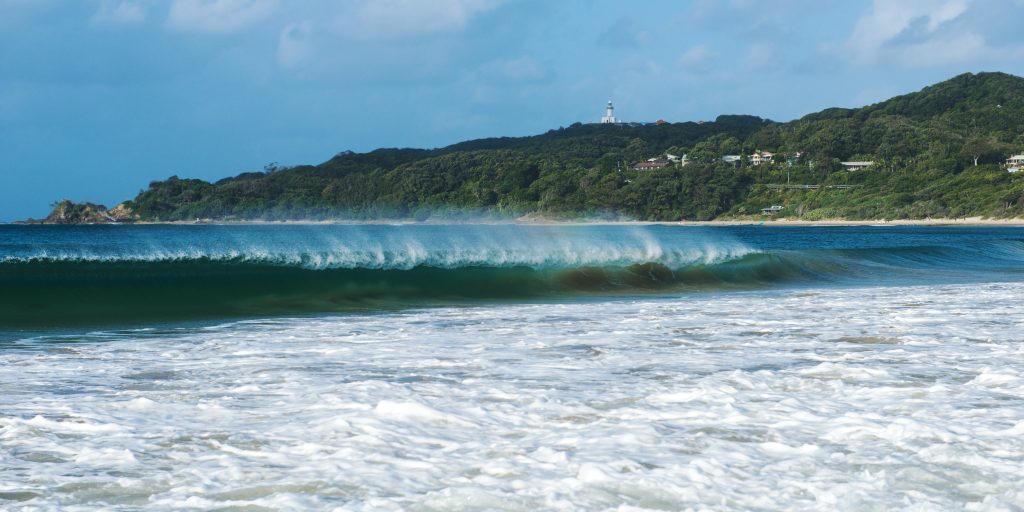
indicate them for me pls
(734, 401)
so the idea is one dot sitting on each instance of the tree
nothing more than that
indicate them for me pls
(978, 148)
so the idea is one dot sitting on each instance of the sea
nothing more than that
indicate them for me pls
(511, 367)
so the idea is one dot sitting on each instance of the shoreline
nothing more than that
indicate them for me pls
(535, 221)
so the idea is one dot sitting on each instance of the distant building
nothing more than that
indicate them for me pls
(679, 160)
(1015, 162)
(856, 166)
(609, 114)
(794, 158)
(732, 159)
(761, 157)
(660, 122)
(771, 210)
(651, 165)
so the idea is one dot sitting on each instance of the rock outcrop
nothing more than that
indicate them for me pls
(69, 212)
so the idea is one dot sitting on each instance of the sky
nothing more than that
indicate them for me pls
(100, 97)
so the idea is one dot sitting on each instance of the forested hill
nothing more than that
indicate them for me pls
(935, 153)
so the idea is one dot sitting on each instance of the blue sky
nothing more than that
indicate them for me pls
(99, 97)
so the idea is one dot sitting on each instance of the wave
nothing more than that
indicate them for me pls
(108, 284)
(395, 250)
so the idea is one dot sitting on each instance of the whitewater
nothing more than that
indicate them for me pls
(764, 369)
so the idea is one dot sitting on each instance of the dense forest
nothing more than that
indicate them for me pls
(936, 153)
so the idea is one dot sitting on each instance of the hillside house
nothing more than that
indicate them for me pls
(733, 159)
(651, 165)
(761, 157)
(681, 160)
(856, 166)
(1015, 163)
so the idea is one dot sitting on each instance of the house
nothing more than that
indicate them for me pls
(856, 166)
(680, 160)
(794, 158)
(651, 165)
(771, 210)
(732, 159)
(1015, 163)
(761, 157)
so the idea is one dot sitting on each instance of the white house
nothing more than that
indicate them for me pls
(761, 157)
(856, 166)
(679, 160)
(1015, 163)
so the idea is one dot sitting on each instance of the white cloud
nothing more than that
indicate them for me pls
(909, 32)
(120, 12)
(398, 19)
(222, 16)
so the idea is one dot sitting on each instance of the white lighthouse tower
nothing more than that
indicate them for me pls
(609, 114)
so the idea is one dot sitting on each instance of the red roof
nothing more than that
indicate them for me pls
(657, 164)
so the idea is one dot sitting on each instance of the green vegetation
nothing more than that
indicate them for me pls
(68, 212)
(937, 153)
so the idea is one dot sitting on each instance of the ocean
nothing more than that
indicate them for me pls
(511, 367)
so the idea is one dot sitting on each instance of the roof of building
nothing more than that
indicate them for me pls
(654, 164)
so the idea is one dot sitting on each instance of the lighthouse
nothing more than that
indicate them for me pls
(609, 114)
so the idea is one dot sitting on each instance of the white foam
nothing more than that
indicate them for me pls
(732, 401)
(350, 247)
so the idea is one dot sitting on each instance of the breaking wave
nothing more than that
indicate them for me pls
(306, 272)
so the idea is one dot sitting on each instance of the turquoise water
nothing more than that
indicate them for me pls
(511, 367)
(118, 275)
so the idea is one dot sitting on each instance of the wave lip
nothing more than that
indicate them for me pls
(412, 254)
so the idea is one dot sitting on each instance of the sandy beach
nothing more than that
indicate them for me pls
(536, 220)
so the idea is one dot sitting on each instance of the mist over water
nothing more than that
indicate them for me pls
(766, 368)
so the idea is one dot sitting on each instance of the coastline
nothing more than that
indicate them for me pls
(538, 221)
(963, 221)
